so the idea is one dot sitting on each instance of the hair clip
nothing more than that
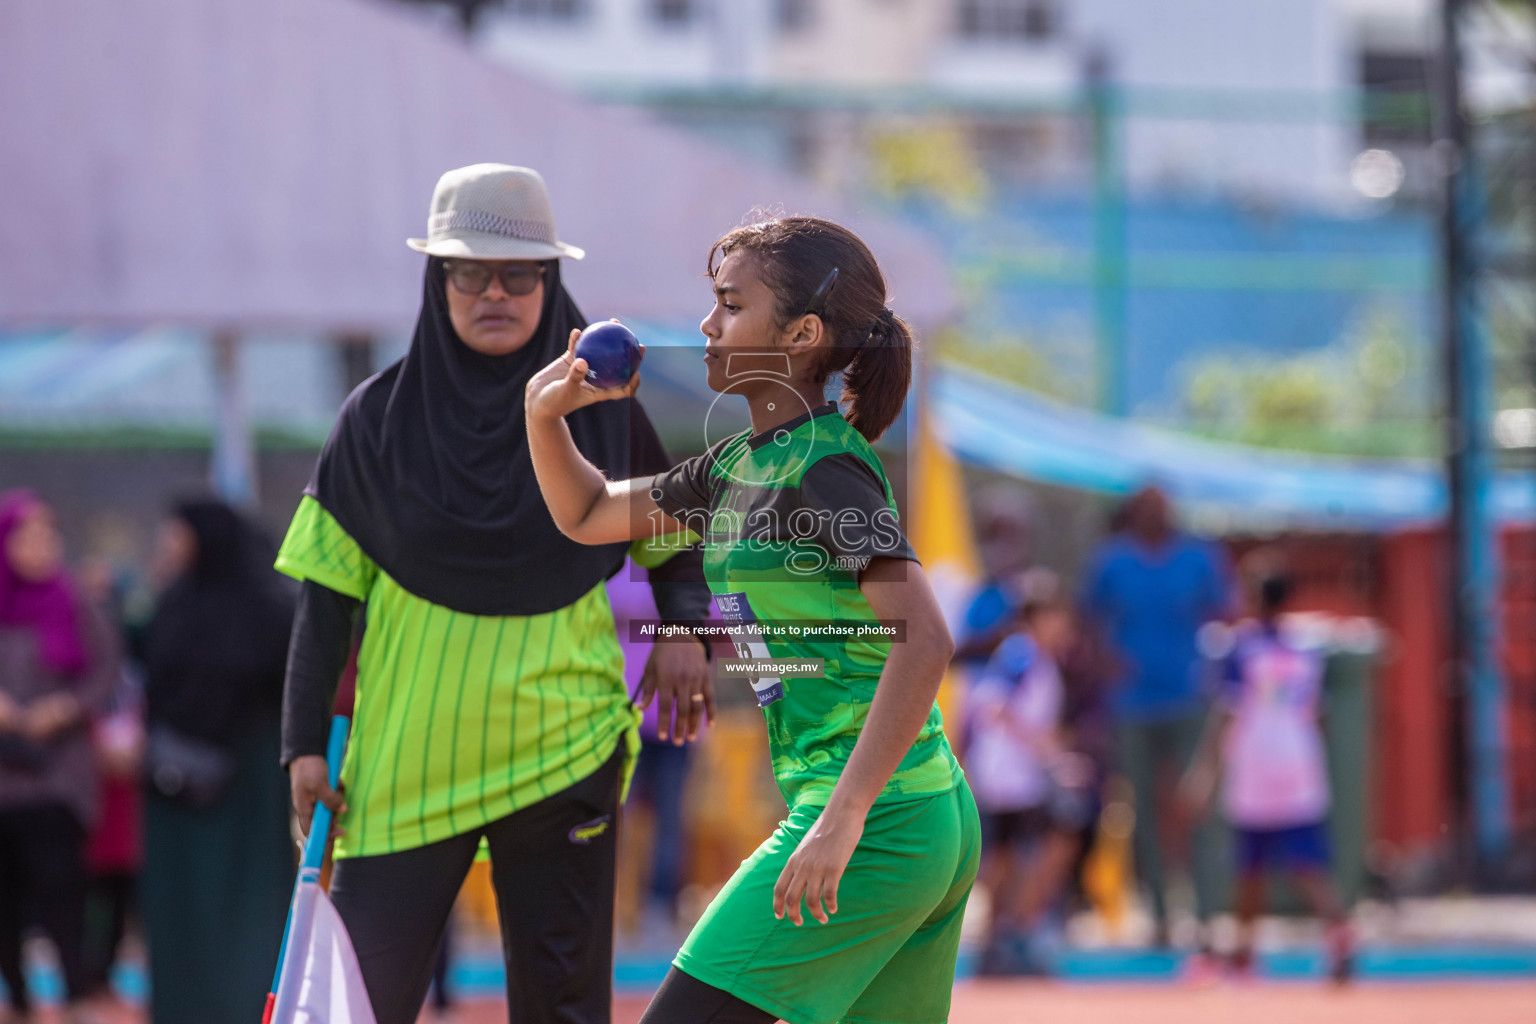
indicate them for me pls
(820, 296)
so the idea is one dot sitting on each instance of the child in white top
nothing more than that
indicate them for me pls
(1027, 789)
(1266, 746)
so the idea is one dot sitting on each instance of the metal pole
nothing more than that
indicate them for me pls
(1473, 563)
(354, 356)
(1109, 256)
(232, 470)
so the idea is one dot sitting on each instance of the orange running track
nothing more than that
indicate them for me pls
(1033, 1002)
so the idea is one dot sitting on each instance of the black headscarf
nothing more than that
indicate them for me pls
(214, 652)
(428, 468)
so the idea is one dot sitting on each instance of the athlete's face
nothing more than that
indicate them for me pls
(743, 338)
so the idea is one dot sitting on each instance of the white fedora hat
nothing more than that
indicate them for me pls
(492, 212)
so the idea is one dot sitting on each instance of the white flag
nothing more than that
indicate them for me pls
(321, 982)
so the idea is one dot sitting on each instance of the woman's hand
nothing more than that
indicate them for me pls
(677, 674)
(816, 867)
(309, 779)
(11, 715)
(49, 716)
(561, 387)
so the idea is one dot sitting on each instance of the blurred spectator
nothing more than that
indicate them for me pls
(1004, 535)
(1266, 747)
(1088, 730)
(1150, 588)
(1030, 789)
(114, 851)
(661, 773)
(218, 860)
(58, 661)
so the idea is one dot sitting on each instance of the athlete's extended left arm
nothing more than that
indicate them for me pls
(897, 591)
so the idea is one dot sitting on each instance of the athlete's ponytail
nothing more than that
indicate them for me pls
(878, 375)
(816, 266)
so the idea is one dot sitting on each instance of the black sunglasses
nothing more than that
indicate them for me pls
(474, 276)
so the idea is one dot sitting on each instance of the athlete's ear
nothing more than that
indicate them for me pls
(805, 332)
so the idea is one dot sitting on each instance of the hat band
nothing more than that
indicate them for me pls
(490, 223)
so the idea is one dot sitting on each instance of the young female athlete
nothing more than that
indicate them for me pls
(798, 520)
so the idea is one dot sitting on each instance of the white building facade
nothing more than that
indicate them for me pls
(1248, 97)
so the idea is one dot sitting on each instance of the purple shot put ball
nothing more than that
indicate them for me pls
(611, 352)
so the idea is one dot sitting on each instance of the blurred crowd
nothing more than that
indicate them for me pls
(139, 777)
(1117, 704)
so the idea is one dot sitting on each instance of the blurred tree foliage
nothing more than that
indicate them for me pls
(927, 160)
(1368, 394)
(1026, 362)
(1508, 151)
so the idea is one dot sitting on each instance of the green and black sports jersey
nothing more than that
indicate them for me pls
(461, 719)
(790, 517)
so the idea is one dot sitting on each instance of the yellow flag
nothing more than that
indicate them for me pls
(1108, 873)
(941, 535)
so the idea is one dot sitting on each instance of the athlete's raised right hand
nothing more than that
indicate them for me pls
(561, 387)
(309, 779)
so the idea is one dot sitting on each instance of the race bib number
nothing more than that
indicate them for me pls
(749, 642)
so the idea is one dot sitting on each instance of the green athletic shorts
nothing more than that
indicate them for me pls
(886, 957)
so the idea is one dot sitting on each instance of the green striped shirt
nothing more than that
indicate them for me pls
(461, 719)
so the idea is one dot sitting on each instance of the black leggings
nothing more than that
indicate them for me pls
(683, 999)
(42, 880)
(109, 902)
(552, 865)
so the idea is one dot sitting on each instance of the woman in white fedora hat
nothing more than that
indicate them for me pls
(490, 703)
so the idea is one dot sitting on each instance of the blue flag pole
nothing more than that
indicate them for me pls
(314, 846)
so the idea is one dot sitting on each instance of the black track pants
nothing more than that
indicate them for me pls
(552, 865)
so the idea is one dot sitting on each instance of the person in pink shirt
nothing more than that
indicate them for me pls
(58, 661)
(1266, 750)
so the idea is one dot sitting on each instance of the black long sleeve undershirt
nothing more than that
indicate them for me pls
(318, 650)
(679, 588)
